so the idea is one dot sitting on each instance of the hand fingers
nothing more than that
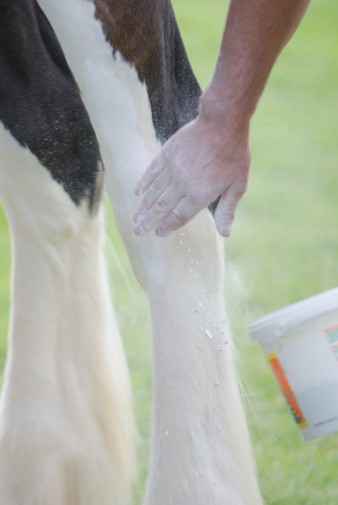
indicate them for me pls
(180, 215)
(154, 169)
(226, 208)
(166, 202)
(154, 191)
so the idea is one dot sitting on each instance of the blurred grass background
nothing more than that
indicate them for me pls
(284, 243)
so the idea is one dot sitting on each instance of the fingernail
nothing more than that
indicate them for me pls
(224, 232)
(138, 230)
(139, 189)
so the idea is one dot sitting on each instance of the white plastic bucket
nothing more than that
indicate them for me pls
(301, 344)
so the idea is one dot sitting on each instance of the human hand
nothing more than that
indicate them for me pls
(203, 161)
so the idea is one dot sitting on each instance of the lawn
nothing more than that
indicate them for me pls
(284, 244)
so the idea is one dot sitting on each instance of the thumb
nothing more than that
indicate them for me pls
(225, 211)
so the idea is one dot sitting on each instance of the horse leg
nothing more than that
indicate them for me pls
(66, 422)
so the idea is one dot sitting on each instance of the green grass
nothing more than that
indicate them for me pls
(284, 245)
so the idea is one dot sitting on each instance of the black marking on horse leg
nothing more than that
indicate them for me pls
(40, 103)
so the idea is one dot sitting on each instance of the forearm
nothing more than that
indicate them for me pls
(255, 33)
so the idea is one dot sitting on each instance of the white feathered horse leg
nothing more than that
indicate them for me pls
(65, 415)
(66, 421)
(201, 450)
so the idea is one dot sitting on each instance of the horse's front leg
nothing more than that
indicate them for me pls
(201, 450)
(66, 422)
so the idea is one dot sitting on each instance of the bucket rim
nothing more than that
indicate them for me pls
(279, 323)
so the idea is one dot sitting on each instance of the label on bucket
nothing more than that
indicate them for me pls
(287, 391)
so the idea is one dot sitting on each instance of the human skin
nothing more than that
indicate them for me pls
(209, 158)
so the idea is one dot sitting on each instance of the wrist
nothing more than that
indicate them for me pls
(217, 107)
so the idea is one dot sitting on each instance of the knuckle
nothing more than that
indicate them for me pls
(229, 216)
(161, 206)
(153, 189)
(178, 218)
(195, 198)
(151, 195)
